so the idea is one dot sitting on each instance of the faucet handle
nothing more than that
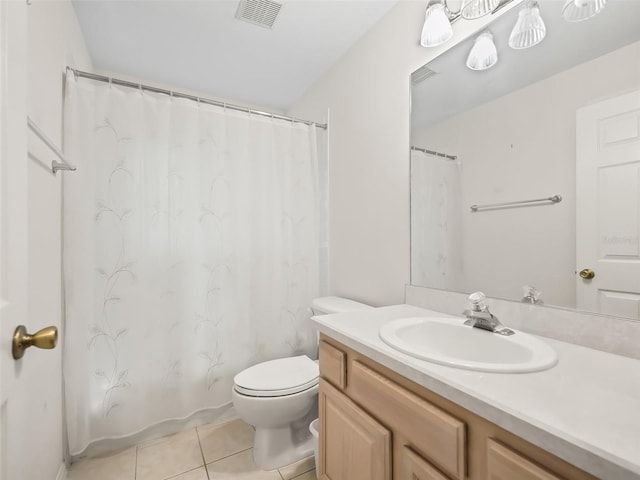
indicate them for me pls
(477, 301)
(531, 294)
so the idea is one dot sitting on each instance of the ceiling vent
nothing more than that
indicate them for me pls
(422, 74)
(259, 12)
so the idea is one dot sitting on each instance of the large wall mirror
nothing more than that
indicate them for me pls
(558, 123)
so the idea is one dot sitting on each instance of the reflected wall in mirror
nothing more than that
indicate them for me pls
(561, 118)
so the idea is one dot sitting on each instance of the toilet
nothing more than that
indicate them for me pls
(280, 399)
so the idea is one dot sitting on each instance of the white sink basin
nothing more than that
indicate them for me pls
(448, 341)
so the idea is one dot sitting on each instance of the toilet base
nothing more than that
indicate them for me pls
(277, 447)
(270, 453)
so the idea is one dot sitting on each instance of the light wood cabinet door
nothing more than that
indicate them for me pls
(439, 435)
(505, 464)
(353, 445)
(414, 467)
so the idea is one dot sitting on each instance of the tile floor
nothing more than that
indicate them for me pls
(212, 452)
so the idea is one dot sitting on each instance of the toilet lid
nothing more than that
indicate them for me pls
(284, 376)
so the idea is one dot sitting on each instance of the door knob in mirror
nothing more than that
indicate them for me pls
(587, 274)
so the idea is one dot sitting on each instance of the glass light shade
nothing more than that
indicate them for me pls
(437, 27)
(471, 9)
(484, 54)
(530, 29)
(579, 10)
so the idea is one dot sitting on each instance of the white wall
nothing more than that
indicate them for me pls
(54, 41)
(367, 94)
(527, 150)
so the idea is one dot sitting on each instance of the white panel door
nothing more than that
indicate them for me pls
(19, 425)
(608, 206)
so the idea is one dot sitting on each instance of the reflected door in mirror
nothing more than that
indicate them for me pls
(608, 206)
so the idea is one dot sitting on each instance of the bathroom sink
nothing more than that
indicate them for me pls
(448, 341)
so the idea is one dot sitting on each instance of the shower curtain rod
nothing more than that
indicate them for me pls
(217, 103)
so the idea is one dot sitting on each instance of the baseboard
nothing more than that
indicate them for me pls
(62, 472)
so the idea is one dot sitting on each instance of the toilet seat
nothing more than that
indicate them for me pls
(276, 378)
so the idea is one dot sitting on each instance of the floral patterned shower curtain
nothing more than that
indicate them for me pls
(191, 250)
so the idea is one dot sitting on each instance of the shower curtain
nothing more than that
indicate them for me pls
(192, 239)
(436, 221)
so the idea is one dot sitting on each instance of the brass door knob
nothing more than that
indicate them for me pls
(45, 338)
(587, 274)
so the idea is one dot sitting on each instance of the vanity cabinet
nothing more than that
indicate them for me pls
(376, 424)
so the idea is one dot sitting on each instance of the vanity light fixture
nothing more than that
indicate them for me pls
(529, 29)
(579, 10)
(484, 54)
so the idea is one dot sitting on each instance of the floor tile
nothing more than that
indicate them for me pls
(197, 474)
(294, 470)
(224, 439)
(121, 466)
(171, 456)
(239, 467)
(307, 476)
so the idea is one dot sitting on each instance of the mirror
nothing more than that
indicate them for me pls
(558, 123)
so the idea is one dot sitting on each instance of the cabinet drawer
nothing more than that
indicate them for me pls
(505, 464)
(333, 364)
(440, 436)
(414, 467)
(353, 445)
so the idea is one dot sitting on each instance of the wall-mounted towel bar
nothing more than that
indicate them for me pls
(437, 154)
(553, 199)
(55, 165)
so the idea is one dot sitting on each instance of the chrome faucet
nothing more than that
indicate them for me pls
(480, 317)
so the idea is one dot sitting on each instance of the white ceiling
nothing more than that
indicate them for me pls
(200, 46)
(456, 89)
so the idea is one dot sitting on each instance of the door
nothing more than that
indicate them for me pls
(24, 431)
(608, 206)
(353, 445)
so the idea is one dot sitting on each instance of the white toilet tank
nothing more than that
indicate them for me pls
(326, 305)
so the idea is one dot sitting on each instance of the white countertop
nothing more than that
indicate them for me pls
(585, 410)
